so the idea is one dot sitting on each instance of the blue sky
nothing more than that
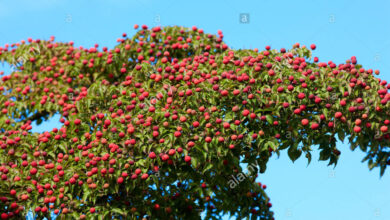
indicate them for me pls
(340, 29)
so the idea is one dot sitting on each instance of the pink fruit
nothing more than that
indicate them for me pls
(357, 129)
(152, 155)
(315, 126)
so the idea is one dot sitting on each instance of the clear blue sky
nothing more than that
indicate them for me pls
(339, 28)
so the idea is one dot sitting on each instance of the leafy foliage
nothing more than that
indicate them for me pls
(159, 125)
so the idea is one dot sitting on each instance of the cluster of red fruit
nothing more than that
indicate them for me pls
(180, 103)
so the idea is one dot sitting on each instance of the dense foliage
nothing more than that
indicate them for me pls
(159, 125)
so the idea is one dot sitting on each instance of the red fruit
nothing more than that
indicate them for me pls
(99, 134)
(77, 121)
(252, 116)
(72, 180)
(224, 93)
(164, 157)
(301, 95)
(144, 176)
(245, 112)
(384, 129)
(357, 129)
(14, 205)
(313, 46)
(195, 124)
(183, 118)
(305, 122)
(33, 171)
(297, 111)
(171, 152)
(112, 161)
(191, 144)
(120, 180)
(4, 216)
(187, 159)
(338, 115)
(152, 155)
(92, 210)
(315, 126)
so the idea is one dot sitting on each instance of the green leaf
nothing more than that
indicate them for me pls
(118, 211)
(86, 192)
(341, 135)
(207, 167)
(194, 162)
(269, 119)
(371, 164)
(294, 153)
(308, 156)
(273, 145)
(325, 154)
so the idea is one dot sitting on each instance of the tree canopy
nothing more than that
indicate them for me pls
(161, 124)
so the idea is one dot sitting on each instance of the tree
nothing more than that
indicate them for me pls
(160, 125)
